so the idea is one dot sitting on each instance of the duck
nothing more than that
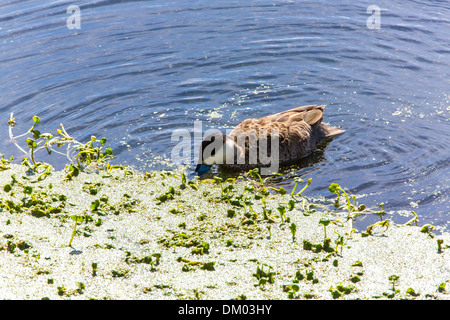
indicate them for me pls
(292, 134)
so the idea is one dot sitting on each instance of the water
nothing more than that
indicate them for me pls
(137, 70)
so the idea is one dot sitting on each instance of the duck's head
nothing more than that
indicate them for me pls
(214, 150)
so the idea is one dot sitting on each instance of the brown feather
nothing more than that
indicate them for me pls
(299, 131)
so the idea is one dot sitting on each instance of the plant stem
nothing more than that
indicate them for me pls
(73, 233)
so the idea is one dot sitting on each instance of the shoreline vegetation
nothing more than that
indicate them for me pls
(101, 231)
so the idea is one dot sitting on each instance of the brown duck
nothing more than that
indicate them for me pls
(281, 137)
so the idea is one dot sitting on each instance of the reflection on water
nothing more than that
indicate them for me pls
(137, 70)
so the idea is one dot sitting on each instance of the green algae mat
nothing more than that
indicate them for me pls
(132, 235)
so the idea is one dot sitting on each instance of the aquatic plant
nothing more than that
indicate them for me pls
(5, 164)
(325, 222)
(293, 228)
(369, 229)
(439, 244)
(428, 228)
(77, 219)
(87, 154)
(394, 281)
(298, 180)
(413, 220)
(263, 276)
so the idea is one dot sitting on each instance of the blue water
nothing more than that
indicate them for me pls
(137, 70)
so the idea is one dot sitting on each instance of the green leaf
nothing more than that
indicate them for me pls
(36, 134)
(291, 205)
(334, 188)
(254, 173)
(31, 143)
(324, 221)
(95, 204)
(77, 218)
(281, 209)
(293, 228)
(109, 151)
(281, 190)
(36, 119)
(103, 141)
(27, 189)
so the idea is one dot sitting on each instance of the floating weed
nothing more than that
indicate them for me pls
(369, 229)
(4, 164)
(282, 210)
(428, 228)
(77, 219)
(351, 206)
(357, 264)
(325, 222)
(202, 248)
(340, 290)
(394, 281)
(413, 220)
(169, 195)
(190, 265)
(291, 289)
(381, 212)
(94, 268)
(120, 272)
(263, 276)
(231, 213)
(90, 153)
(307, 245)
(293, 228)
(355, 279)
(297, 181)
(61, 290)
(339, 242)
(72, 171)
(412, 292)
(92, 188)
(439, 244)
(153, 260)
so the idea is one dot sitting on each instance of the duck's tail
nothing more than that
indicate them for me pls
(332, 131)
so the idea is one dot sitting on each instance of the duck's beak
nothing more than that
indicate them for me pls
(202, 168)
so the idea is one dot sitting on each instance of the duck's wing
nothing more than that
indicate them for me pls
(311, 114)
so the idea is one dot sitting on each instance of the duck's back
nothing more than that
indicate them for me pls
(298, 129)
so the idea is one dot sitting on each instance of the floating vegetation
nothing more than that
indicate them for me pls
(89, 155)
(198, 234)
